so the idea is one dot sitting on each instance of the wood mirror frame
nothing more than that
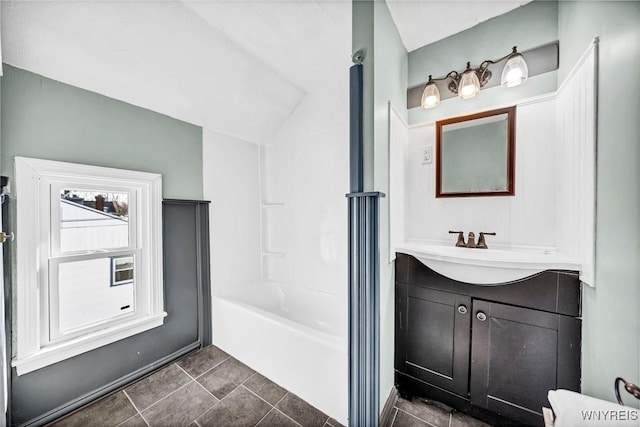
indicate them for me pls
(511, 144)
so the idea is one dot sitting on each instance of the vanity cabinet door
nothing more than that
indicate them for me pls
(435, 327)
(518, 355)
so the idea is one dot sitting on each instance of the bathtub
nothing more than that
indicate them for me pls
(295, 336)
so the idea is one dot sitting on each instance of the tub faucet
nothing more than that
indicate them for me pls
(460, 243)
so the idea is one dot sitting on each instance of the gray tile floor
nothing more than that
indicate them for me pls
(423, 413)
(208, 388)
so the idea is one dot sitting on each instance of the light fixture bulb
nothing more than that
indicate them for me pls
(469, 84)
(515, 71)
(430, 95)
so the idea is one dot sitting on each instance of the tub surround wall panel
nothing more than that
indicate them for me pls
(527, 27)
(608, 328)
(526, 219)
(304, 177)
(232, 183)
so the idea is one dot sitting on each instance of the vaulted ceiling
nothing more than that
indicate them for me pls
(421, 22)
(237, 67)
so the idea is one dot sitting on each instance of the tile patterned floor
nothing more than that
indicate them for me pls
(423, 413)
(208, 388)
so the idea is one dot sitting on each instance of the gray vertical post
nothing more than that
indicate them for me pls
(364, 314)
(364, 311)
(356, 132)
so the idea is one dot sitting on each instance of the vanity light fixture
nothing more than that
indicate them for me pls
(468, 83)
(431, 95)
(515, 71)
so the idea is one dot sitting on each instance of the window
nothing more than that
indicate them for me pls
(121, 271)
(90, 270)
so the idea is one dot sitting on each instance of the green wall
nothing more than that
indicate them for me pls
(391, 65)
(46, 119)
(385, 80)
(527, 27)
(611, 326)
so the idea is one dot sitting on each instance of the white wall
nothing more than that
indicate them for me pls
(526, 219)
(232, 184)
(575, 122)
(305, 168)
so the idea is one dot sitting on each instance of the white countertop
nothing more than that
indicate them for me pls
(486, 266)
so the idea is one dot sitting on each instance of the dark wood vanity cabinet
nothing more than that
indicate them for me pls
(439, 332)
(491, 351)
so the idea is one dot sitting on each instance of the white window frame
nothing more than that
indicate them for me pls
(38, 343)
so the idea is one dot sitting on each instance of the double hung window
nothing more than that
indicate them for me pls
(89, 258)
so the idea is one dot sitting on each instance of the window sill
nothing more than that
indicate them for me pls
(58, 352)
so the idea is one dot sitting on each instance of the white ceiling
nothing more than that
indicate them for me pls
(239, 68)
(421, 22)
(236, 67)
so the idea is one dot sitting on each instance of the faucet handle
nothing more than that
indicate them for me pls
(460, 243)
(482, 244)
(471, 240)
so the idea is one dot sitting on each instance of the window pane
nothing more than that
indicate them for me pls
(123, 263)
(123, 276)
(122, 270)
(86, 296)
(93, 220)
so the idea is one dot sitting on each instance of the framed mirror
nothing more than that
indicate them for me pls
(475, 154)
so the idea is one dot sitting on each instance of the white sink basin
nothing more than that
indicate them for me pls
(485, 266)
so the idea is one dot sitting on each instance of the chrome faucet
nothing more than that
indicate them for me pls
(471, 240)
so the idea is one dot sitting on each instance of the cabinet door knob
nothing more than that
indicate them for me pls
(481, 316)
(462, 309)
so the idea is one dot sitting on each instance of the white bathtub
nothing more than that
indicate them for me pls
(295, 336)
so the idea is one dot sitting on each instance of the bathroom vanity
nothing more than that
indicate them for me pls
(490, 350)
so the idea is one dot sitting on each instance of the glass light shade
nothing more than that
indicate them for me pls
(469, 85)
(430, 96)
(515, 71)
